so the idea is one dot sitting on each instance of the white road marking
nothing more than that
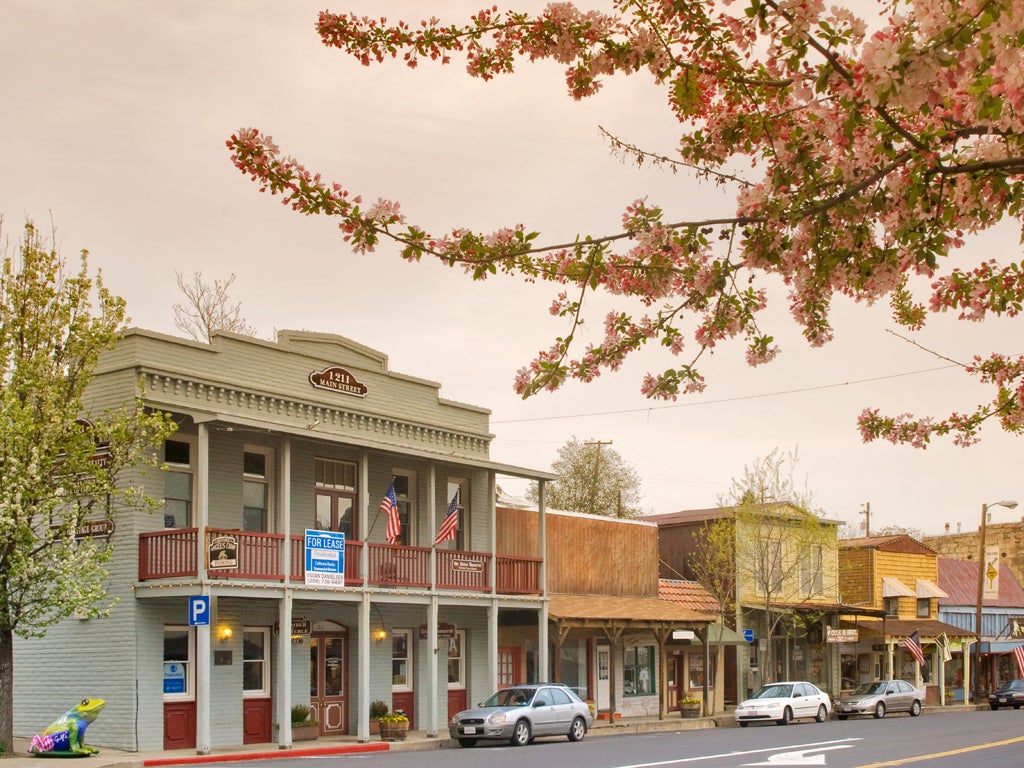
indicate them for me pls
(818, 745)
(801, 757)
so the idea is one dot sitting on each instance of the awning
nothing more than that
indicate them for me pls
(895, 588)
(605, 608)
(927, 588)
(718, 634)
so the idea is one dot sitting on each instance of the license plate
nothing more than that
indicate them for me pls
(469, 729)
(1004, 700)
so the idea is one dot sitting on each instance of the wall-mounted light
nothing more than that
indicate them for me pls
(380, 634)
(225, 634)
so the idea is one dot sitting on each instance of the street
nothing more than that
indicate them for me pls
(976, 739)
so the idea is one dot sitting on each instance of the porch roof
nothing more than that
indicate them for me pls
(606, 608)
(907, 627)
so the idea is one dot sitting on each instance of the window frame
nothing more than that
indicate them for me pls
(462, 538)
(406, 506)
(182, 469)
(266, 479)
(264, 690)
(459, 642)
(893, 602)
(189, 694)
(334, 493)
(637, 667)
(924, 607)
(408, 658)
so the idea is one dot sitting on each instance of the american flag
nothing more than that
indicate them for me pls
(389, 506)
(1018, 654)
(450, 525)
(913, 644)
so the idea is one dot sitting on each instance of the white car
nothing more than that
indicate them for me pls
(783, 703)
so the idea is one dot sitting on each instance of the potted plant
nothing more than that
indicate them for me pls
(394, 726)
(377, 710)
(303, 727)
(689, 707)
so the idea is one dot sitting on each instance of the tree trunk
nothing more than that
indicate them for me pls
(6, 692)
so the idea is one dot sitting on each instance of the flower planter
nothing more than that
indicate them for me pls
(687, 710)
(374, 727)
(394, 731)
(305, 732)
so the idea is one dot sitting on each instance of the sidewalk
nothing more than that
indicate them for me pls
(338, 745)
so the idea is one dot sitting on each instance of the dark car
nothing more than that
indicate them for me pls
(1009, 694)
(880, 697)
(522, 712)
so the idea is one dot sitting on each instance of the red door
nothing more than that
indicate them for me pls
(256, 721)
(509, 666)
(179, 725)
(328, 681)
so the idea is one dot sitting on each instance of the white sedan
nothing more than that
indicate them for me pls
(783, 703)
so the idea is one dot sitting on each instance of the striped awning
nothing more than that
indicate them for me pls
(895, 588)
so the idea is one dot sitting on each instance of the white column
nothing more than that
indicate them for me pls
(363, 683)
(432, 662)
(203, 652)
(543, 665)
(284, 669)
(492, 644)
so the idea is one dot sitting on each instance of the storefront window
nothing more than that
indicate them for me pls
(638, 670)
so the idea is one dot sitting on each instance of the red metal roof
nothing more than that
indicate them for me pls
(959, 578)
(687, 593)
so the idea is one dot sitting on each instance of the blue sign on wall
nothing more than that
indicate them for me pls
(174, 677)
(748, 635)
(198, 610)
(325, 559)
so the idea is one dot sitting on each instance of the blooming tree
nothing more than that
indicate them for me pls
(860, 153)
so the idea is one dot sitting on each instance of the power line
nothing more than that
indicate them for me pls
(726, 399)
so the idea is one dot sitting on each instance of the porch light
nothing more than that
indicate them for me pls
(225, 634)
(380, 634)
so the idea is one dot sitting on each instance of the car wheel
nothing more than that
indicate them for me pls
(1016, 706)
(822, 715)
(520, 734)
(577, 730)
(841, 717)
(787, 716)
(994, 706)
(915, 708)
(879, 711)
(744, 725)
(467, 742)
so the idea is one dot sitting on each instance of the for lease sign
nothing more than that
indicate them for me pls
(325, 559)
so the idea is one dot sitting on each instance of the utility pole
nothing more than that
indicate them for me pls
(867, 518)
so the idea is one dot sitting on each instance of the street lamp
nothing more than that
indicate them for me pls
(981, 590)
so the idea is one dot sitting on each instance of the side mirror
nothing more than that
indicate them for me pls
(540, 703)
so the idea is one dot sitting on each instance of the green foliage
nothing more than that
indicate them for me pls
(593, 479)
(61, 461)
(378, 709)
(300, 716)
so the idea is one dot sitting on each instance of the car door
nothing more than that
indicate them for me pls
(563, 710)
(544, 715)
(902, 696)
(802, 703)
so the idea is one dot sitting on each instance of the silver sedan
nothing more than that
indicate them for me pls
(523, 712)
(880, 697)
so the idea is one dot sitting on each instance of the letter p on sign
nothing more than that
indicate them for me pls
(198, 610)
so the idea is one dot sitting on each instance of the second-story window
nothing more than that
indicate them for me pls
(461, 539)
(405, 492)
(924, 607)
(256, 490)
(811, 578)
(178, 484)
(335, 483)
(891, 605)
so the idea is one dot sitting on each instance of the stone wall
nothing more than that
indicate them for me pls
(964, 546)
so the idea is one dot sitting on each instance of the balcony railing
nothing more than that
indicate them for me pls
(172, 554)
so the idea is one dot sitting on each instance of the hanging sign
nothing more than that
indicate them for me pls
(223, 553)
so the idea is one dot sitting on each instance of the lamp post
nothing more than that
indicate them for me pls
(981, 591)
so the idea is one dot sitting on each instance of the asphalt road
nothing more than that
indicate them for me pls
(962, 740)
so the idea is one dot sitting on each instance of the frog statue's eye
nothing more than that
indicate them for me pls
(85, 702)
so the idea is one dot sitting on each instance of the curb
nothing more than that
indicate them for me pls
(341, 749)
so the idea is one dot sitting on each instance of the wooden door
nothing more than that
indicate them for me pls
(328, 681)
(509, 666)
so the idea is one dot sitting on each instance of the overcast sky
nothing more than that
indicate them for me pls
(115, 118)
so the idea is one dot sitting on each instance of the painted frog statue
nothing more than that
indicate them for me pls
(65, 736)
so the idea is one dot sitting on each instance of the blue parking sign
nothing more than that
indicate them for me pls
(198, 610)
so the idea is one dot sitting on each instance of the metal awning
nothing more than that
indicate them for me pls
(718, 634)
(895, 588)
(927, 588)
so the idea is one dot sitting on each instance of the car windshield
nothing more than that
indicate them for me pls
(1014, 685)
(774, 692)
(510, 697)
(868, 688)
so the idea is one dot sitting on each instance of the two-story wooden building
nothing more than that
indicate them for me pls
(899, 576)
(239, 600)
(782, 570)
